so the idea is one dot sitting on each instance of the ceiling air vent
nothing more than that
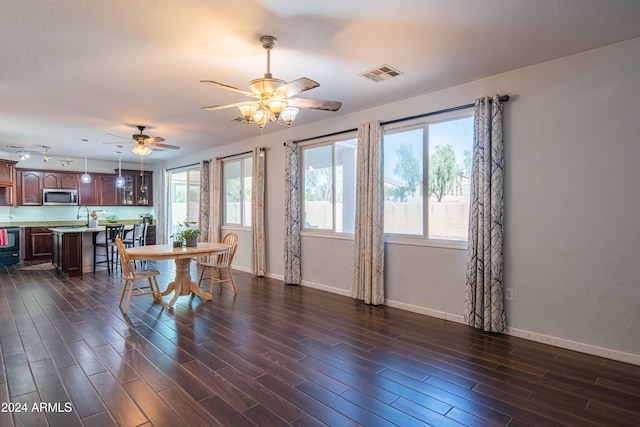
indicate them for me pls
(381, 73)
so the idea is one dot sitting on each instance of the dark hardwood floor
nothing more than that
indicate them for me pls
(278, 355)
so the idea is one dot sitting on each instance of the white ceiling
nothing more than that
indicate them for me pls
(86, 69)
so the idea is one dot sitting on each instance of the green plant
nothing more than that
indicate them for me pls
(112, 218)
(185, 230)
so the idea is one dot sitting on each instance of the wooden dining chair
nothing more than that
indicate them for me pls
(221, 262)
(130, 275)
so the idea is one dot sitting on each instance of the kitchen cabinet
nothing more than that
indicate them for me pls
(137, 190)
(37, 243)
(7, 182)
(7, 172)
(32, 182)
(60, 180)
(108, 190)
(89, 193)
(29, 188)
(67, 253)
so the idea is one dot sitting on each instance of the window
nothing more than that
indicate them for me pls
(427, 174)
(236, 191)
(329, 182)
(184, 197)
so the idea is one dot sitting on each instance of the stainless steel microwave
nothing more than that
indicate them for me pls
(59, 197)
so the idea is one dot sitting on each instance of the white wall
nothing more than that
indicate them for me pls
(572, 233)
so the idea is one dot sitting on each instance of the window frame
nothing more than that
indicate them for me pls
(325, 232)
(424, 123)
(171, 195)
(241, 159)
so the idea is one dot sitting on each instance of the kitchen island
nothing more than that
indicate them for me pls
(73, 249)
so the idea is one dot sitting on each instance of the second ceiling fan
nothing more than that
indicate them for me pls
(276, 100)
(143, 142)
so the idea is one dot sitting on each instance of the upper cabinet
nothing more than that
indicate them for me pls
(29, 188)
(7, 172)
(60, 180)
(101, 191)
(137, 190)
(7, 182)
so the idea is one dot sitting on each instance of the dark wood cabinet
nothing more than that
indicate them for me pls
(67, 253)
(60, 180)
(137, 190)
(30, 188)
(101, 191)
(7, 172)
(108, 190)
(7, 182)
(37, 243)
(89, 193)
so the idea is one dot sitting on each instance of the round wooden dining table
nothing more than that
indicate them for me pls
(182, 284)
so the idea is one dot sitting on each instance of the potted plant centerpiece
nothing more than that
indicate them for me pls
(186, 235)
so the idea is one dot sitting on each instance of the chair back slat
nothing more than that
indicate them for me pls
(127, 268)
(230, 239)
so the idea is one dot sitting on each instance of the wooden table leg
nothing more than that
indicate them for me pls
(182, 285)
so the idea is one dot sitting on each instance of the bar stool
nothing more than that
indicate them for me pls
(105, 243)
(137, 236)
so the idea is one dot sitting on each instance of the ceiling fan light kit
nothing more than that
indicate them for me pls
(141, 149)
(276, 99)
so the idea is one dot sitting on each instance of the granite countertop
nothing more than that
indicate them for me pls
(64, 223)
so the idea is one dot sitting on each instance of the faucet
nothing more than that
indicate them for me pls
(78, 213)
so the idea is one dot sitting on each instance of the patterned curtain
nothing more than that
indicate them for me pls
(205, 197)
(214, 213)
(292, 251)
(367, 280)
(258, 255)
(160, 197)
(484, 303)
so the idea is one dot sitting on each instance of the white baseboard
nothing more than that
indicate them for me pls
(516, 332)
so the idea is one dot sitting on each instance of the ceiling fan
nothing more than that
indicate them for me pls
(277, 100)
(143, 142)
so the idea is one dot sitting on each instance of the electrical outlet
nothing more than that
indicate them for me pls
(508, 294)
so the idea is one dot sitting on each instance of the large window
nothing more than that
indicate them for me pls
(236, 191)
(184, 197)
(427, 174)
(328, 182)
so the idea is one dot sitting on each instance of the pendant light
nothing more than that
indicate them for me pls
(85, 178)
(119, 179)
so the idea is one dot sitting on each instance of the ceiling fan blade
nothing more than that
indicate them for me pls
(297, 86)
(315, 104)
(219, 107)
(224, 86)
(154, 140)
(155, 144)
(120, 143)
(117, 136)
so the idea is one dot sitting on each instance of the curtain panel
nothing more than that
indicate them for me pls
(214, 212)
(161, 207)
(205, 198)
(484, 302)
(292, 249)
(367, 280)
(258, 255)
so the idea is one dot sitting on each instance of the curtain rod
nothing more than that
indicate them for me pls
(503, 98)
(182, 167)
(239, 154)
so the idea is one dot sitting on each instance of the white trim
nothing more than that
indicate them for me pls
(593, 350)
(520, 333)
